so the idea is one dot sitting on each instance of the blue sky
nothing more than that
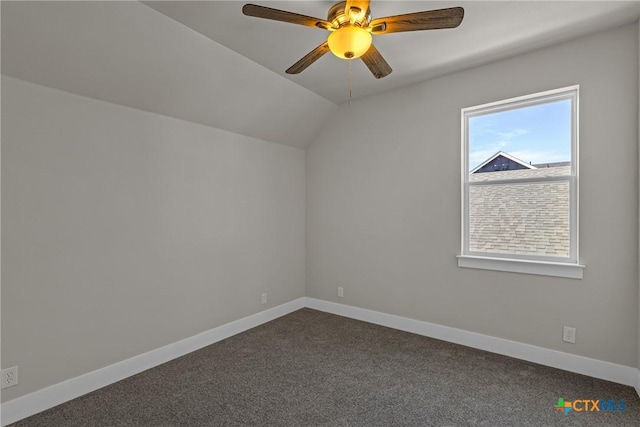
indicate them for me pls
(536, 134)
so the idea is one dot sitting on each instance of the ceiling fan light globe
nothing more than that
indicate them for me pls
(349, 42)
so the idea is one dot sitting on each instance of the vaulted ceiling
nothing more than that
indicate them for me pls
(129, 54)
(490, 30)
(207, 63)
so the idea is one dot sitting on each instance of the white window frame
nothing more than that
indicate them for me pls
(528, 264)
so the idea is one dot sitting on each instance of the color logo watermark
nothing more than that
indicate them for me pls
(590, 405)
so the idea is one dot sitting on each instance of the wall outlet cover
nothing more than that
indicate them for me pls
(569, 334)
(9, 377)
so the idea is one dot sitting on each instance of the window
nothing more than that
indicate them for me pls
(520, 185)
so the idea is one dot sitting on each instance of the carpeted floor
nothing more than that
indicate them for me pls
(315, 369)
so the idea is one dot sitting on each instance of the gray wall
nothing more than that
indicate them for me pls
(384, 223)
(123, 231)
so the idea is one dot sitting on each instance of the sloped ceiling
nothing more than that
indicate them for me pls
(490, 30)
(207, 63)
(129, 54)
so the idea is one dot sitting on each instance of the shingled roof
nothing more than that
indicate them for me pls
(520, 218)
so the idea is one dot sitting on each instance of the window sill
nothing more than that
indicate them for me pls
(556, 269)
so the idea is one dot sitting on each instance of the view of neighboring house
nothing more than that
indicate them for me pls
(501, 161)
(526, 218)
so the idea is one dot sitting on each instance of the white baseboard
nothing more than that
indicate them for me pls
(569, 362)
(38, 401)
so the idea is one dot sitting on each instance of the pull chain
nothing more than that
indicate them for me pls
(349, 61)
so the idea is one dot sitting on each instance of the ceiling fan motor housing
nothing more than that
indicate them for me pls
(339, 18)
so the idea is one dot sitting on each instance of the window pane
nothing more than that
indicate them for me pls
(529, 142)
(523, 218)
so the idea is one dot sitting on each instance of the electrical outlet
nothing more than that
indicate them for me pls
(340, 292)
(569, 335)
(264, 298)
(9, 377)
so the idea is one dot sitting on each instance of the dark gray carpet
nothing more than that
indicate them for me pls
(315, 369)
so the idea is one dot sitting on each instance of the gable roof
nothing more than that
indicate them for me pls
(503, 154)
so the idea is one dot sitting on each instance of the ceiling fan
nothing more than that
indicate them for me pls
(351, 28)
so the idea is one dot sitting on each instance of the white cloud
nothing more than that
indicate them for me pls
(512, 134)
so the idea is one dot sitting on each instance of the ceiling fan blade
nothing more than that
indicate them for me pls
(284, 16)
(376, 63)
(427, 20)
(309, 59)
(362, 5)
